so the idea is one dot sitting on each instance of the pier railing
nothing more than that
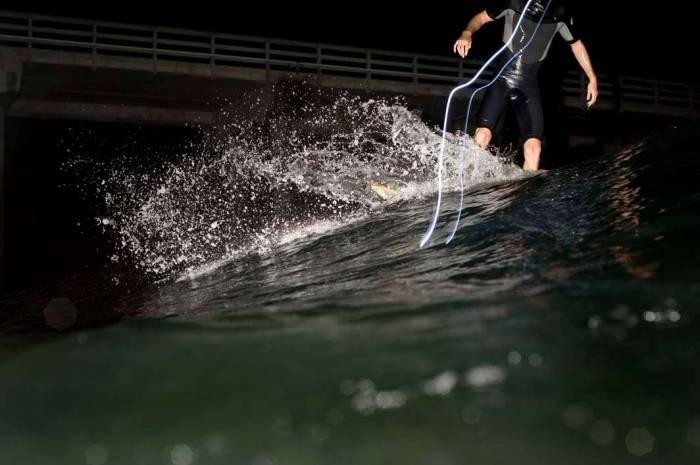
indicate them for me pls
(217, 52)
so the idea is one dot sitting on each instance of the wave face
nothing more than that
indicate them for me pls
(559, 326)
(616, 218)
(280, 164)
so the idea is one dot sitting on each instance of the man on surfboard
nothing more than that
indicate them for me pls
(519, 81)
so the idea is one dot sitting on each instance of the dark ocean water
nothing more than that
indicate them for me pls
(560, 326)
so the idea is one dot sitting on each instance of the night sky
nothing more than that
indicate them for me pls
(624, 37)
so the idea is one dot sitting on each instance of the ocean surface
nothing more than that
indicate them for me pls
(264, 306)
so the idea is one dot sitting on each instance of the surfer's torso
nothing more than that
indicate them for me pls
(519, 81)
(555, 19)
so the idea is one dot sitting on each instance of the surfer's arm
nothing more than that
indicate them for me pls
(581, 54)
(464, 43)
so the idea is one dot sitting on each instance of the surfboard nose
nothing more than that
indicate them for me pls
(383, 191)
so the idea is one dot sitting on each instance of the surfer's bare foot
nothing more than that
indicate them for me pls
(483, 136)
(532, 150)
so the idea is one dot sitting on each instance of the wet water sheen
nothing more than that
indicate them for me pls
(560, 326)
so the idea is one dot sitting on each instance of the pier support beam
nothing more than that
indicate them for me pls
(2, 197)
(10, 82)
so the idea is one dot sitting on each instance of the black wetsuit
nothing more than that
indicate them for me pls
(519, 82)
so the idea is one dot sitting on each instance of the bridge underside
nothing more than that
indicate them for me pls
(115, 89)
(46, 83)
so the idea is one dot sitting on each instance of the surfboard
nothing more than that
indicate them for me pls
(385, 192)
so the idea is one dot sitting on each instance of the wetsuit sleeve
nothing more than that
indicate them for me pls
(567, 30)
(497, 9)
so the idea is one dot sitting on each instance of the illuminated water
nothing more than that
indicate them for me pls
(560, 326)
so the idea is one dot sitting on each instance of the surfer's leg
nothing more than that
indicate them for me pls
(483, 136)
(528, 111)
(532, 150)
(492, 107)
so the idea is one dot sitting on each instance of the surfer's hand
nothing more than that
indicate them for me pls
(592, 96)
(463, 44)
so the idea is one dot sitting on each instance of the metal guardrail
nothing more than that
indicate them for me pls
(159, 44)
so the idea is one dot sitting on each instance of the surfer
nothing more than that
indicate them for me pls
(519, 81)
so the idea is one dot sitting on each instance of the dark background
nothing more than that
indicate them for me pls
(651, 39)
